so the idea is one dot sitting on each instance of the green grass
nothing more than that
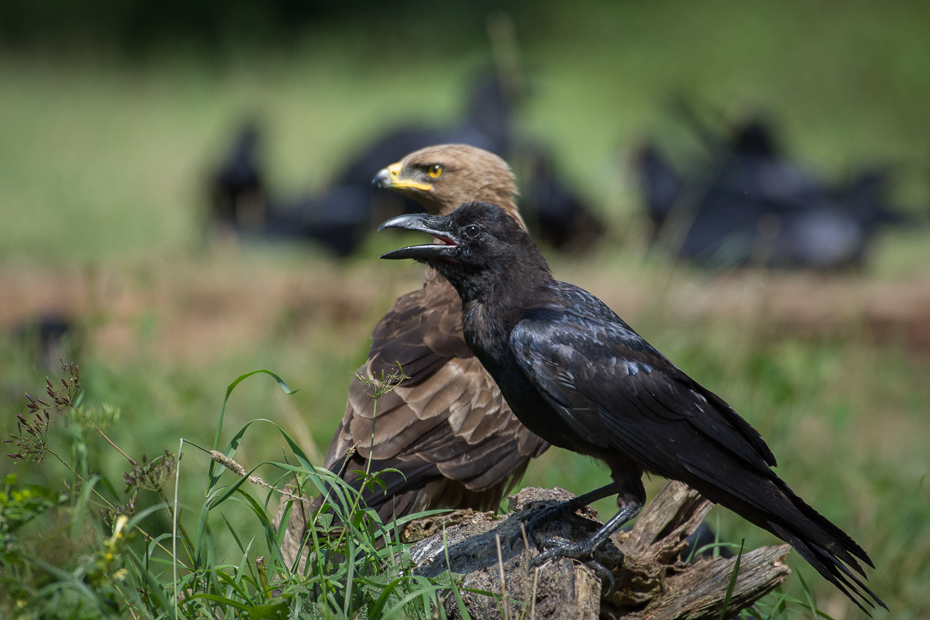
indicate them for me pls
(102, 163)
(109, 556)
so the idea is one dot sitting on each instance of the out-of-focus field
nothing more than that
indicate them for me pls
(102, 190)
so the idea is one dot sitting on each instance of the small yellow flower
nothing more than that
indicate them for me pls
(121, 522)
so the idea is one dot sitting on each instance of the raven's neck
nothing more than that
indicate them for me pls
(509, 284)
(493, 302)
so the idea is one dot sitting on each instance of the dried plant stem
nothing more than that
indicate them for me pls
(500, 565)
(242, 472)
(115, 447)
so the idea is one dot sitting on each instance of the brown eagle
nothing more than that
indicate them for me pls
(446, 428)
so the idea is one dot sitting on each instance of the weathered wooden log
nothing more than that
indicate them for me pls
(490, 554)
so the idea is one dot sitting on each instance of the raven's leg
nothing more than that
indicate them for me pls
(631, 498)
(564, 510)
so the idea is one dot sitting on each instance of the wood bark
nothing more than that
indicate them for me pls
(652, 581)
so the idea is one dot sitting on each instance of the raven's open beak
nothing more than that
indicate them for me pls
(437, 225)
(390, 178)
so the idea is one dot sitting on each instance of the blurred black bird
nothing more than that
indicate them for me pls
(237, 186)
(52, 337)
(339, 217)
(559, 214)
(579, 377)
(754, 206)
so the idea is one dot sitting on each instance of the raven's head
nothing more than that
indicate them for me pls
(475, 247)
(443, 177)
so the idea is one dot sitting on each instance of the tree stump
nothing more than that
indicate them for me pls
(652, 582)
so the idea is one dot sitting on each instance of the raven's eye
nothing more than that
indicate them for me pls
(435, 171)
(471, 231)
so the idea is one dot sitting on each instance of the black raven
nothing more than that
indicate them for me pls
(579, 377)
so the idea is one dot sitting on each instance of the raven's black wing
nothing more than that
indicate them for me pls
(613, 389)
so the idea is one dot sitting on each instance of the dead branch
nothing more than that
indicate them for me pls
(652, 581)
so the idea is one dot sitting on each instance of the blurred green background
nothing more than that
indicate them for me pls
(112, 116)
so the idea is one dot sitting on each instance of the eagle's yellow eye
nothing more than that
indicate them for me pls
(435, 171)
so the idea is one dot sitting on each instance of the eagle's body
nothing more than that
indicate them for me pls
(446, 428)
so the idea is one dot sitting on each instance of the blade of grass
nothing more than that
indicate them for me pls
(229, 390)
(227, 602)
(77, 524)
(174, 526)
(418, 593)
(732, 584)
(65, 579)
(155, 588)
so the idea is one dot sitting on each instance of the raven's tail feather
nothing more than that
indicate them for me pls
(834, 566)
(825, 546)
(767, 501)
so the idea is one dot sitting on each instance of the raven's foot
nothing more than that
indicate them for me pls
(630, 497)
(587, 552)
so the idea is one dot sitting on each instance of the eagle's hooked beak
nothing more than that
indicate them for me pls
(390, 178)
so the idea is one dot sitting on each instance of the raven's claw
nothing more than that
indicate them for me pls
(601, 571)
(584, 552)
